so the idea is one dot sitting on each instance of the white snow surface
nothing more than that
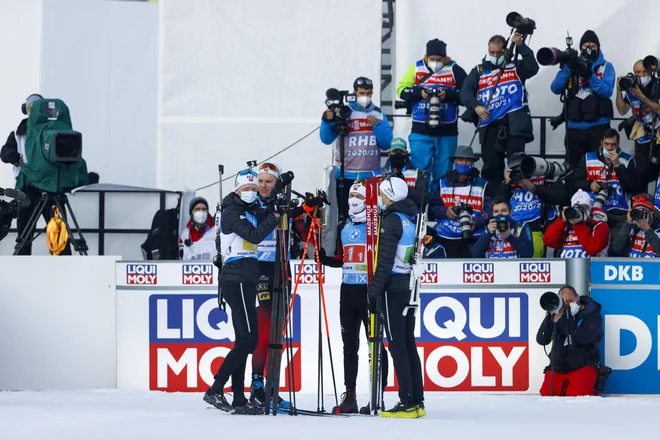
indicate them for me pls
(122, 414)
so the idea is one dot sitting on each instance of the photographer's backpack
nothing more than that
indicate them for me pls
(162, 243)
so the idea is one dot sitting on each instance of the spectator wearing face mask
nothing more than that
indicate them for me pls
(433, 141)
(506, 125)
(642, 99)
(639, 237)
(399, 165)
(197, 240)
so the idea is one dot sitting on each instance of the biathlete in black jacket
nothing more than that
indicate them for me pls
(240, 237)
(351, 256)
(391, 285)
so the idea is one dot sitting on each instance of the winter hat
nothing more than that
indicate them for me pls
(436, 47)
(590, 37)
(245, 177)
(394, 188)
(271, 168)
(644, 200)
(464, 152)
(359, 188)
(196, 201)
(581, 198)
(30, 100)
(398, 144)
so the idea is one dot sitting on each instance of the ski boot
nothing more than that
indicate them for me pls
(401, 411)
(218, 400)
(348, 404)
(257, 393)
(421, 410)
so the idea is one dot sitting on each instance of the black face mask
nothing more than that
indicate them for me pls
(398, 161)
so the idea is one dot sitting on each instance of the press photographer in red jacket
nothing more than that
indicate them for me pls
(574, 330)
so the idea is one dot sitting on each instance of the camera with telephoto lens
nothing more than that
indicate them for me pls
(502, 224)
(628, 82)
(9, 210)
(531, 166)
(602, 195)
(551, 302)
(551, 56)
(639, 214)
(434, 107)
(464, 213)
(521, 24)
(576, 212)
(337, 101)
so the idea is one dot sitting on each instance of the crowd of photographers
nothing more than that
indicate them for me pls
(516, 206)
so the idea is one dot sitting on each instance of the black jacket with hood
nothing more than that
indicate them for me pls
(234, 220)
(9, 152)
(391, 230)
(586, 330)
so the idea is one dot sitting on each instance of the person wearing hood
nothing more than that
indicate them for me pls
(575, 331)
(369, 132)
(588, 107)
(389, 294)
(462, 186)
(609, 166)
(640, 99)
(240, 238)
(399, 165)
(639, 237)
(351, 256)
(513, 242)
(506, 125)
(431, 145)
(581, 231)
(197, 241)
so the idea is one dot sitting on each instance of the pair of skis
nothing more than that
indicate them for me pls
(417, 269)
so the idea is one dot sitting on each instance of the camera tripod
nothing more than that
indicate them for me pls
(61, 201)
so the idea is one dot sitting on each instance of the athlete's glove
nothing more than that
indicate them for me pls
(284, 180)
(372, 301)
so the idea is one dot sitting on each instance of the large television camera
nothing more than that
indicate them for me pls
(337, 101)
(9, 210)
(53, 150)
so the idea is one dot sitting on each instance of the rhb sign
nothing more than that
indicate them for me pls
(478, 273)
(197, 274)
(535, 273)
(308, 273)
(473, 342)
(141, 274)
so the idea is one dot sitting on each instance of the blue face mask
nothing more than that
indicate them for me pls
(462, 168)
(249, 196)
(381, 206)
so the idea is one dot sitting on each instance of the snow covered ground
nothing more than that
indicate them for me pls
(120, 414)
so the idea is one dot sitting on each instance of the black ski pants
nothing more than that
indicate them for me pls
(401, 337)
(353, 311)
(241, 298)
(498, 144)
(581, 142)
(342, 197)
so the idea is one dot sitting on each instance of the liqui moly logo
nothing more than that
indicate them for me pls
(141, 274)
(478, 273)
(535, 273)
(308, 273)
(430, 275)
(197, 274)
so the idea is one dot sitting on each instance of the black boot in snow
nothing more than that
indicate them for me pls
(348, 404)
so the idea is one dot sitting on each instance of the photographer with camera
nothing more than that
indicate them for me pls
(639, 237)
(399, 165)
(574, 325)
(609, 174)
(639, 92)
(363, 130)
(534, 197)
(506, 238)
(581, 231)
(506, 125)
(461, 207)
(588, 81)
(431, 88)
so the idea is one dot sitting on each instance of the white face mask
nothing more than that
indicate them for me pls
(575, 308)
(364, 101)
(249, 196)
(200, 217)
(496, 61)
(435, 65)
(644, 80)
(355, 205)
(381, 205)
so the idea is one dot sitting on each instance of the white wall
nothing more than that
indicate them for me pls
(100, 57)
(251, 79)
(626, 29)
(57, 323)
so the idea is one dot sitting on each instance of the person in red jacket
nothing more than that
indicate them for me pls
(581, 231)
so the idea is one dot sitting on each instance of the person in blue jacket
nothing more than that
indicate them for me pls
(368, 133)
(513, 242)
(589, 108)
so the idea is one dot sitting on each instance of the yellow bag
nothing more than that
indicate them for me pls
(57, 235)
